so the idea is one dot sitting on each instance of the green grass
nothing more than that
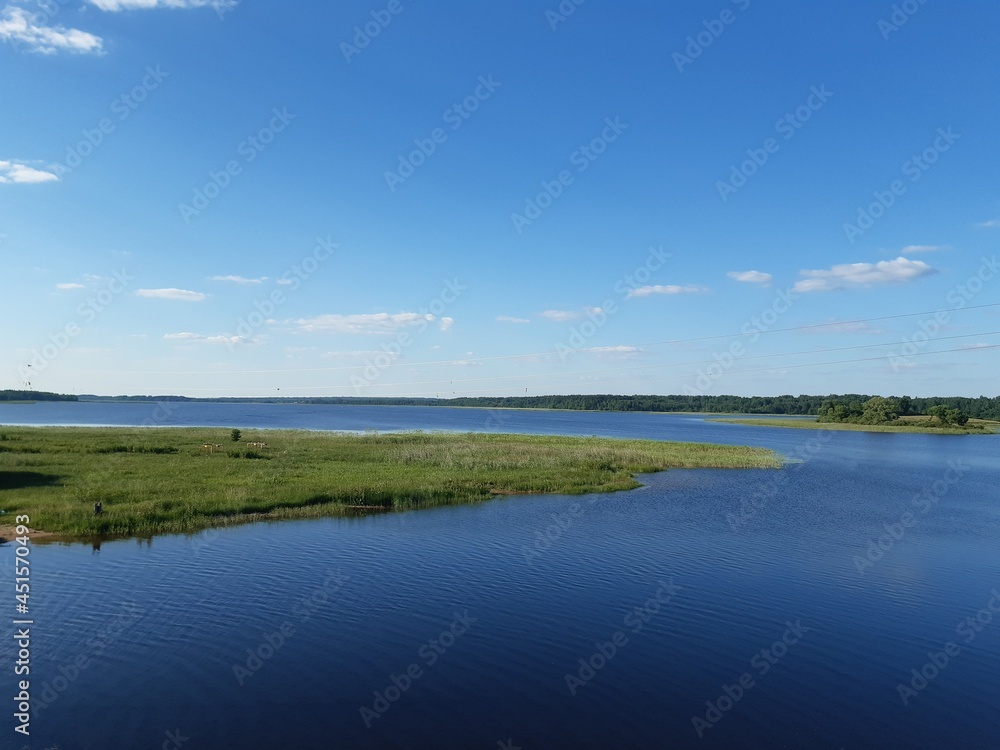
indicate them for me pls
(904, 424)
(162, 480)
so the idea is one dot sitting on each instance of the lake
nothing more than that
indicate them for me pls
(707, 609)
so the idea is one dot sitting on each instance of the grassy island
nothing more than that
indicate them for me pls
(157, 480)
(903, 424)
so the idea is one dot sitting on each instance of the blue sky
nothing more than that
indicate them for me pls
(208, 198)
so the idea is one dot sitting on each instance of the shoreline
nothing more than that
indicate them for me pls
(9, 533)
(182, 479)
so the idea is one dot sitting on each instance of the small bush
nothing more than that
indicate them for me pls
(158, 449)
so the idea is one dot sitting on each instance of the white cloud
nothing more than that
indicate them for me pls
(446, 323)
(751, 277)
(859, 275)
(511, 319)
(116, 5)
(220, 339)
(911, 249)
(614, 349)
(364, 323)
(17, 25)
(72, 285)
(239, 279)
(176, 294)
(612, 352)
(19, 173)
(645, 291)
(991, 224)
(565, 316)
(227, 340)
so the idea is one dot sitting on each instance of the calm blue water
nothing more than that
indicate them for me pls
(141, 638)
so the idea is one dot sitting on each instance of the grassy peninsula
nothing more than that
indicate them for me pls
(157, 480)
(902, 424)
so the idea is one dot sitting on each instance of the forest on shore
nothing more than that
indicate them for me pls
(850, 405)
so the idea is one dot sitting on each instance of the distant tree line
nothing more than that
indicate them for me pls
(879, 410)
(852, 404)
(8, 395)
(845, 406)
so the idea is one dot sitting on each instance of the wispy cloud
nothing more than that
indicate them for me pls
(911, 249)
(366, 323)
(18, 26)
(861, 275)
(567, 316)
(182, 295)
(751, 277)
(199, 338)
(239, 279)
(70, 285)
(511, 319)
(446, 323)
(117, 5)
(17, 172)
(991, 224)
(646, 291)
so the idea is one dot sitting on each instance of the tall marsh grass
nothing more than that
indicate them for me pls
(163, 480)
